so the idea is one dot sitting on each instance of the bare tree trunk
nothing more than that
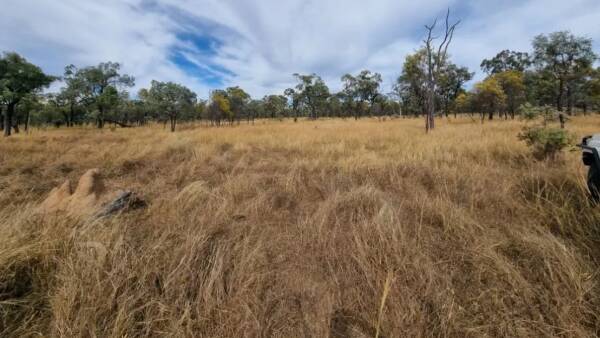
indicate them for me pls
(569, 101)
(435, 61)
(430, 112)
(173, 123)
(446, 107)
(8, 115)
(100, 118)
(27, 115)
(71, 115)
(559, 97)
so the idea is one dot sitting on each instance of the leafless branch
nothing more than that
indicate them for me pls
(449, 34)
(435, 62)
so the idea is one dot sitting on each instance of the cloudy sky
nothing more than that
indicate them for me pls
(259, 44)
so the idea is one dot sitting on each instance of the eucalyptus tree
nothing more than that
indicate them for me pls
(589, 90)
(18, 79)
(334, 105)
(566, 58)
(451, 81)
(200, 109)
(134, 111)
(238, 100)
(488, 97)
(368, 87)
(29, 104)
(255, 109)
(46, 114)
(313, 92)
(275, 105)
(513, 87)
(73, 94)
(390, 104)
(364, 87)
(411, 85)
(295, 100)
(540, 88)
(219, 107)
(101, 85)
(348, 103)
(350, 96)
(506, 60)
(107, 102)
(171, 99)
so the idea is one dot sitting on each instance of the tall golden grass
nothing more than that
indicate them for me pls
(325, 229)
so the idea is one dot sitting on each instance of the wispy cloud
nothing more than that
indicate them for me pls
(258, 44)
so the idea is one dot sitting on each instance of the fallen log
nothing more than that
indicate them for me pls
(125, 201)
(122, 125)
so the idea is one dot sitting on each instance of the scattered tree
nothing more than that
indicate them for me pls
(511, 82)
(172, 99)
(18, 78)
(451, 81)
(275, 105)
(489, 98)
(238, 100)
(362, 88)
(313, 92)
(566, 58)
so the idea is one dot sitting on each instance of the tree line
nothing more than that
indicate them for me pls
(559, 71)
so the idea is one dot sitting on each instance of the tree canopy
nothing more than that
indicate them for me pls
(566, 58)
(559, 70)
(312, 92)
(171, 99)
(18, 78)
(506, 60)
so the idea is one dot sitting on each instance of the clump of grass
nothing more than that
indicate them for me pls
(354, 228)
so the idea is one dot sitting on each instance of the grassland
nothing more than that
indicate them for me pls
(328, 228)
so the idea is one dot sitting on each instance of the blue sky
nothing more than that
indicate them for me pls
(258, 45)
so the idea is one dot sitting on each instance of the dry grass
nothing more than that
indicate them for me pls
(328, 228)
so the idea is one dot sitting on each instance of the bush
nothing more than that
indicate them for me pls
(529, 112)
(546, 142)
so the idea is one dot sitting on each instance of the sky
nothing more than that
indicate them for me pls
(259, 44)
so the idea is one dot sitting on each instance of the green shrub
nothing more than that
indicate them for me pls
(546, 142)
(528, 111)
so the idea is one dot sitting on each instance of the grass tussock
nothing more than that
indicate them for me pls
(324, 229)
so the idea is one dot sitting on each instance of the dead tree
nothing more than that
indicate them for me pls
(435, 63)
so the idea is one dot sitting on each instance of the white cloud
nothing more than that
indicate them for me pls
(259, 44)
(54, 34)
